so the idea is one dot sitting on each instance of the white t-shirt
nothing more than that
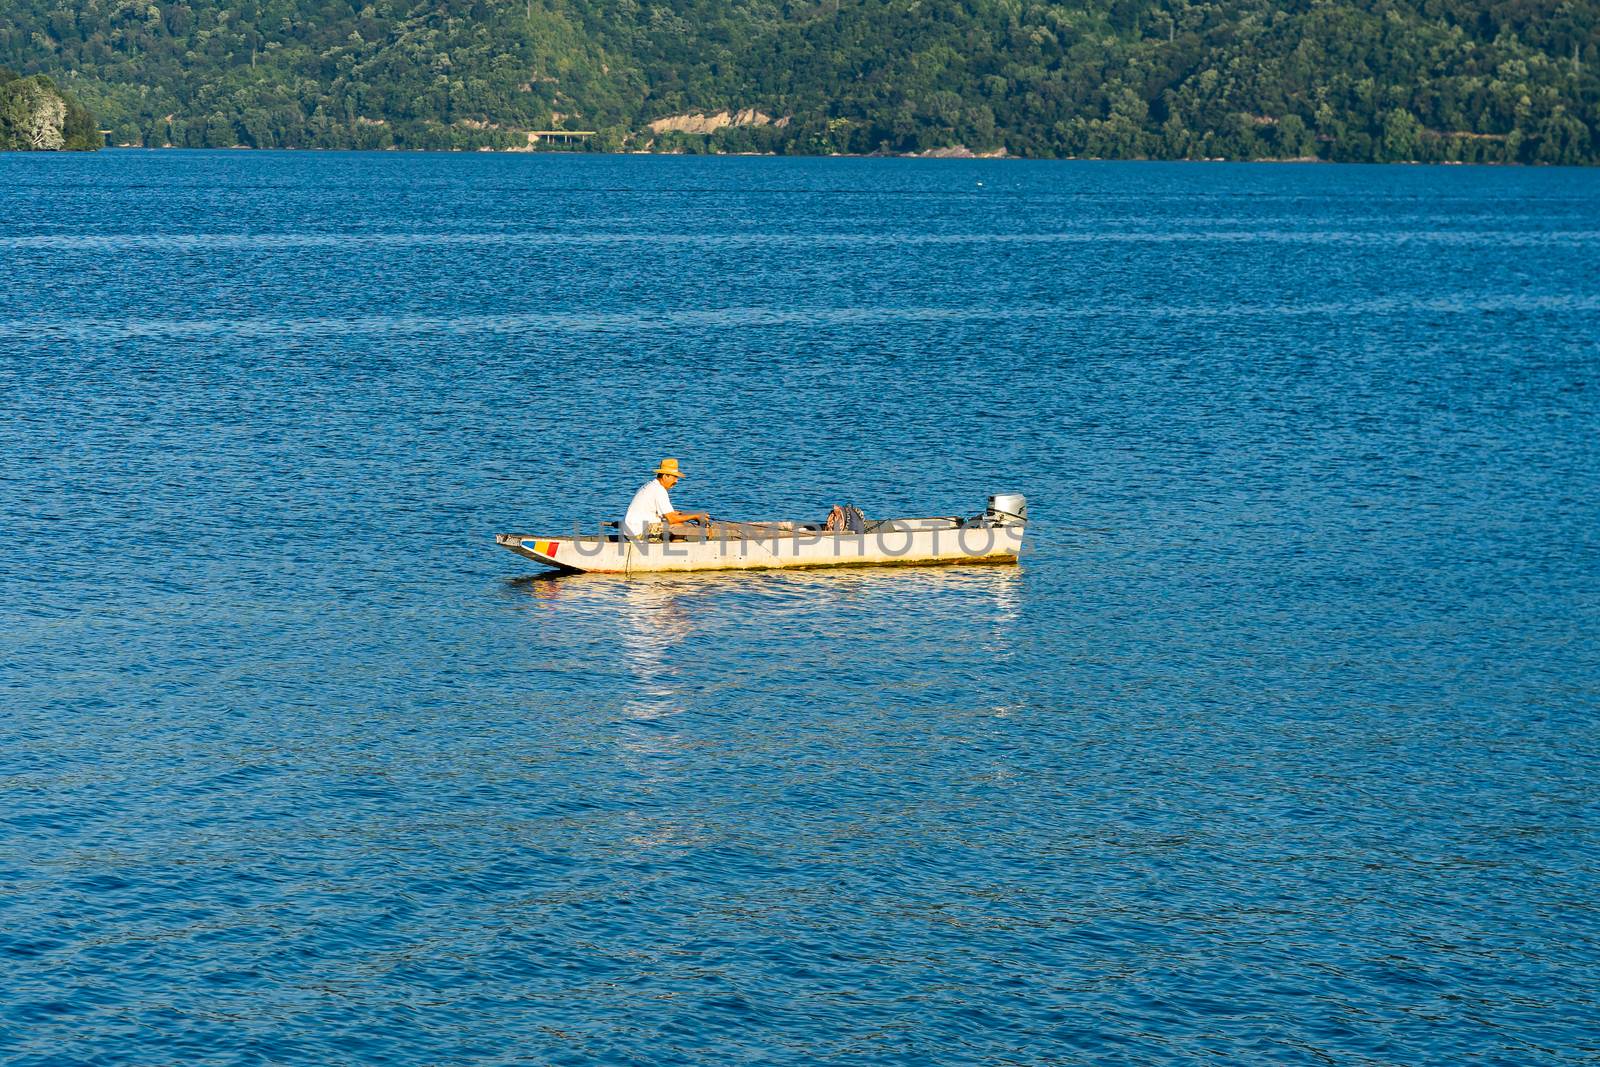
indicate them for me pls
(650, 504)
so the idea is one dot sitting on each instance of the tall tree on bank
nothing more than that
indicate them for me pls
(35, 116)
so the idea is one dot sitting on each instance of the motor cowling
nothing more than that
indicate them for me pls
(1008, 509)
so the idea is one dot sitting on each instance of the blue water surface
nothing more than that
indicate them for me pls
(1278, 747)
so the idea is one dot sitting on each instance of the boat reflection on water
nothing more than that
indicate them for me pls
(656, 666)
(732, 618)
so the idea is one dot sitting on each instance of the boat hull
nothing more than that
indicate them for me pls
(883, 547)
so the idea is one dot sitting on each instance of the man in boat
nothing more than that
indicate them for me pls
(651, 512)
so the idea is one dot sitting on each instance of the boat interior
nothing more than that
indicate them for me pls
(721, 530)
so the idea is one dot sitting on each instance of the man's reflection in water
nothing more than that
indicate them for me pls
(654, 626)
(652, 623)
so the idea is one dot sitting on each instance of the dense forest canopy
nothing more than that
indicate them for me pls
(1489, 80)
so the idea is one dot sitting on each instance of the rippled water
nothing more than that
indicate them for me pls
(1279, 746)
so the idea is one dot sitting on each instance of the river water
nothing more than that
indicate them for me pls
(1278, 746)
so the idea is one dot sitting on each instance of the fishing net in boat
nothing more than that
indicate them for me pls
(845, 518)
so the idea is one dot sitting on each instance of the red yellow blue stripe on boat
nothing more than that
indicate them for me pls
(543, 548)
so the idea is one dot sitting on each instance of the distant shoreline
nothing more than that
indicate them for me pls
(923, 156)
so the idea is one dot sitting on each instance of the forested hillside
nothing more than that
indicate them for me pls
(1494, 80)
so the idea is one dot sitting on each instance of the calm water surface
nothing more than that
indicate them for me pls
(1280, 746)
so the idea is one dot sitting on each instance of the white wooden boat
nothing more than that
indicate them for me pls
(993, 537)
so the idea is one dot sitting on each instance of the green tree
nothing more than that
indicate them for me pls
(1292, 139)
(1402, 136)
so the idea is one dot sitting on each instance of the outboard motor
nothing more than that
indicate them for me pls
(1007, 509)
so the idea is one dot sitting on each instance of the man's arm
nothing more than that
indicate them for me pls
(685, 516)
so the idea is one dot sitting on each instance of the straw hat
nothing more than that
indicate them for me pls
(669, 466)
